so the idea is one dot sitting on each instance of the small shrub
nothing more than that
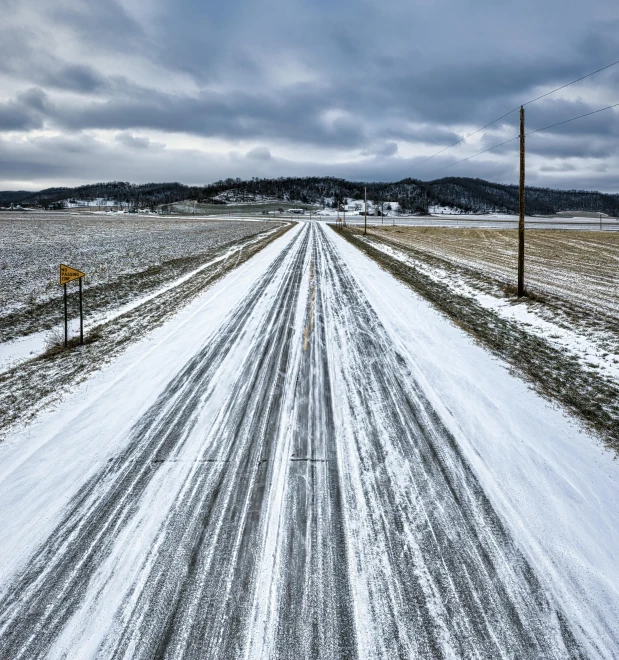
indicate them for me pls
(54, 340)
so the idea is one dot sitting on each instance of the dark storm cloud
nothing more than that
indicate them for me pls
(13, 118)
(25, 112)
(381, 80)
(21, 60)
(427, 133)
(603, 124)
(34, 99)
(77, 78)
(295, 115)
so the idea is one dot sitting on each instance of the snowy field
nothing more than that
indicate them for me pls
(127, 258)
(106, 247)
(572, 265)
(488, 221)
(308, 461)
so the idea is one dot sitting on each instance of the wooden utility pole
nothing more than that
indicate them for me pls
(365, 214)
(521, 218)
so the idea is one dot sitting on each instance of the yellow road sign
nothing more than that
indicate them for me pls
(68, 274)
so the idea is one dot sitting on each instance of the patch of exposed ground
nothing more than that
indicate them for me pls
(555, 370)
(33, 385)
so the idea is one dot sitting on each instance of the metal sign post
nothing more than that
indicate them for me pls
(81, 314)
(66, 323)
(68, 274)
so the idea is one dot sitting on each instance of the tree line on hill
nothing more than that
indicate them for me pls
(413, 195)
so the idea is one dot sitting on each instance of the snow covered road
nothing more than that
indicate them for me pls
(284, 471)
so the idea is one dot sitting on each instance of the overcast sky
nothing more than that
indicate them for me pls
(195, 91)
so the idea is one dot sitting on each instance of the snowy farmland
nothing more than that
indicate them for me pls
(126, 258)
(578, 267)
(106, 247)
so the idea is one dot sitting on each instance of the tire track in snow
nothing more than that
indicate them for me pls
(433, 568)
(51, 587)
(204, 571)
(306, 608)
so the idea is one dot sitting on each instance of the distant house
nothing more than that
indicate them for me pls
(298, 211)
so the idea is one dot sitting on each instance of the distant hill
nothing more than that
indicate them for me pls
(130, 194)
(415, 196)
(13, 196)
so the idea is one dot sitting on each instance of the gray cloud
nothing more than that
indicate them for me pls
(105, 20)
(77, 78)
(386, 149)
(259, 153)
(12, 118)
(579, 146)
(25, 112)
(378, 80)
(564, 167)
(135, 141)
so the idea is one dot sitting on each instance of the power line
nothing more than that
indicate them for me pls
(496, 146)
(538, 130)
(566, 121)
(483, 128)
(479, 130)
(571, 83)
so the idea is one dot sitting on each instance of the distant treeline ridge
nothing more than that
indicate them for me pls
(413, 195)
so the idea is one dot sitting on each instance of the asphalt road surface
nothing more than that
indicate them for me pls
(291, 493)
